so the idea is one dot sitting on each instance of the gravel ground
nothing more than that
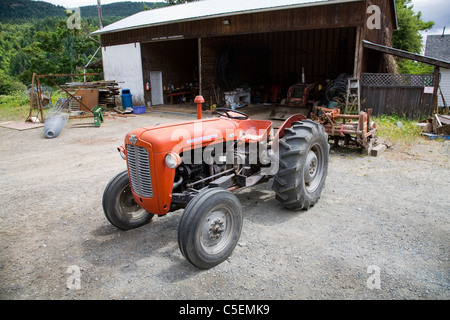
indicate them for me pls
(379, 231)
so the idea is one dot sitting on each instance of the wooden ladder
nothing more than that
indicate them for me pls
(353, 97)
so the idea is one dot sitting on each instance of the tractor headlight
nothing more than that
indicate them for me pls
(121, 150)
(173, 160)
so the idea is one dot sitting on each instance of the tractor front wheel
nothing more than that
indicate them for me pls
(119, 206)
(304, 156)
(210, 227)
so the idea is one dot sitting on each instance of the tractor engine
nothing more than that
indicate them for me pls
(228, 169)
(195, 175)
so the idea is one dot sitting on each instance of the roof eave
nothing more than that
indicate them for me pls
(221, 15)
(406, 54)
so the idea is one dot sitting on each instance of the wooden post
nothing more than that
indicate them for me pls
(435, 90)
(99, 12)
(358, 52)
(200, 66)
(39, 99)
(31, 98)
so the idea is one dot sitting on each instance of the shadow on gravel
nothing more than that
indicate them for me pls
(350, 151)
(260, 206)
(114, 247)
(157, 242)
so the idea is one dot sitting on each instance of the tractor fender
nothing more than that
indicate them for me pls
(288, 124)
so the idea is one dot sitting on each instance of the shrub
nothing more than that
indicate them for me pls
(9, 85)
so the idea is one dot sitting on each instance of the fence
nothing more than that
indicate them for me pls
(401, 94)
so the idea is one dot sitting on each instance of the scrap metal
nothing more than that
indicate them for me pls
(357, 129)
(40, 104)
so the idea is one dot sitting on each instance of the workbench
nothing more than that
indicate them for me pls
(182, 94)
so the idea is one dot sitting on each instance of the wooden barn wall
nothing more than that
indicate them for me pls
(317, 17)
(382, 36)
(277, 58)
(372, 61)
(324, 39)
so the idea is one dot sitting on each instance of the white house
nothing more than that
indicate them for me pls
(438, 47)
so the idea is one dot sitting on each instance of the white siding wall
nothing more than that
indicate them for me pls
(123, 64)
(445, 87)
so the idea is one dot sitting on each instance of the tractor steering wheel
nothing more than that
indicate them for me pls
(225, 112)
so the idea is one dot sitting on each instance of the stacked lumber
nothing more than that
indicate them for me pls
(108, 90)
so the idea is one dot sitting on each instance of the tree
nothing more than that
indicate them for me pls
(9, 85)
(408, 38)
(61, 51)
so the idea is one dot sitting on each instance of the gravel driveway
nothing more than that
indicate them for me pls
(379, 231)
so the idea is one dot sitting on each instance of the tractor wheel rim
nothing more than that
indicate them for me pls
(216, 229)
(313, 168)
(310, 169)
(129, 209)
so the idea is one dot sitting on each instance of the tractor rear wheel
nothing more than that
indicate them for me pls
(210, 227)
(303, 165)
(119, 206)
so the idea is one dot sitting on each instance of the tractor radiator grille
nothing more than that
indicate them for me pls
(139, 168)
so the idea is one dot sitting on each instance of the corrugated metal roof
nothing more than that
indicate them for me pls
(206, 9)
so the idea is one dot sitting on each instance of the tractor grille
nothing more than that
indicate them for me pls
(139, 167)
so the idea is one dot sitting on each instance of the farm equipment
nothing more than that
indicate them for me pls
(356, 129)
(300, 98)
(195, 166)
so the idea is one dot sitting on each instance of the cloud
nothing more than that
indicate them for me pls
(434, 10)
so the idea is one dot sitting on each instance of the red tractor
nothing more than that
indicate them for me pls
(195, 166)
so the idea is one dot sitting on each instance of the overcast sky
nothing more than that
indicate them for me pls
(432, 10)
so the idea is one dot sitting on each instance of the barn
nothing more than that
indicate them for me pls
(256, 47)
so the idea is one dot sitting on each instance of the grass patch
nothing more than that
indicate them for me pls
(397, 130)
(15, 106)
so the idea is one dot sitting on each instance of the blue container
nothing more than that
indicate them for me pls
(127, 101)
(139, 109)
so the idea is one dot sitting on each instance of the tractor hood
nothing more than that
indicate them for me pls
(184, 135)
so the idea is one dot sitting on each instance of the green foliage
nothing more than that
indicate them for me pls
(396, 129)
(44, 46)
(27, 11)
(408, 37)
(19, 11)
(414, 67)
(60, 50)
(8, 84)
(34, 38)
(14, 106)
